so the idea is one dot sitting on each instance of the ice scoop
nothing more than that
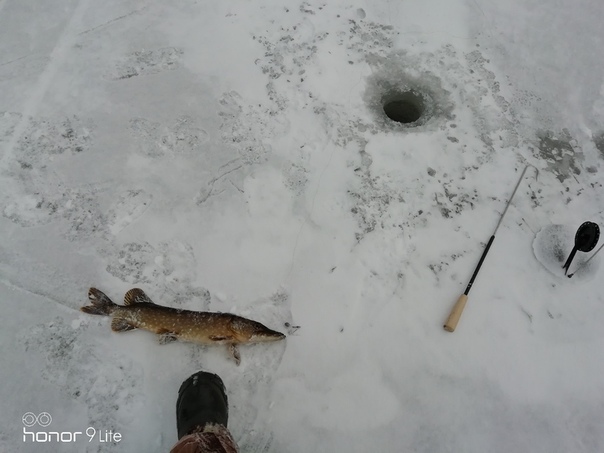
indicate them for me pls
(586, 238)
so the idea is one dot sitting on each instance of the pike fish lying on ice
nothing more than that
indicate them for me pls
(140, 312)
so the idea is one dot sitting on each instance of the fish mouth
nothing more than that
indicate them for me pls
(267, 336)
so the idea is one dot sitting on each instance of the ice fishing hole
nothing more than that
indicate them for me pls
(405, 108)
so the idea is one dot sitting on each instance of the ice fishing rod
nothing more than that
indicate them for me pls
(457, 310)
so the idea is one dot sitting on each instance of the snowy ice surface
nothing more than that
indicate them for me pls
(234, 156)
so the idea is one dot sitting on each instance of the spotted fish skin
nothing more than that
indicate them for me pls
(140, 312)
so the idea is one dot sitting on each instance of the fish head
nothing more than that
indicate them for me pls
(249, 331)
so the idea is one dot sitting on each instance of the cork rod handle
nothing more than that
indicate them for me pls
(453, 318)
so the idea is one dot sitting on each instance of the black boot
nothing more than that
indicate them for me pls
(201, 400)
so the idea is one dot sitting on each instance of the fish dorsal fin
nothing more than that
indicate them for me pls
(136, 296)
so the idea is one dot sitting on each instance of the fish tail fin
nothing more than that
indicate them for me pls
(101, 304)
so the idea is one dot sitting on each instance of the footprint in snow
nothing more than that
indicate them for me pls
(72, 362)
(129, 207)
(183, 138)
(145, 62)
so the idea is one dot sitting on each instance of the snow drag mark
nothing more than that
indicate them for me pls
(24, 68)
(249, 130)
(250, 391)
(221, 182)
(57, 57)
(32, 142)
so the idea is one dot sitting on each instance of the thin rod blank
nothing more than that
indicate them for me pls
(484, 255)
(510, 200)
(486, 250)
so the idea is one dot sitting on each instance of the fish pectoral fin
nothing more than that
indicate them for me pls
(235, 353)
(136, 296)
(167, 337)
(221, 337)
(119, 324)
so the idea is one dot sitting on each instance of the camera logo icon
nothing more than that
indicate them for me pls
(30, 419)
